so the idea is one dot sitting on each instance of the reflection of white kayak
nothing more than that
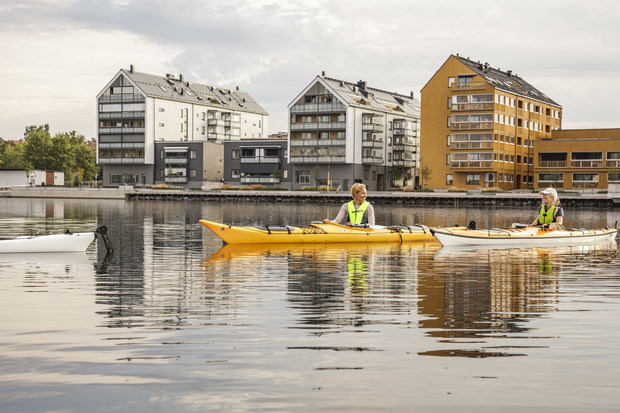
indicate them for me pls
(502, 250)
(522, 236)
(47, 259)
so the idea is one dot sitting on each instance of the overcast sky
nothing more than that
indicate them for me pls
(57, 55)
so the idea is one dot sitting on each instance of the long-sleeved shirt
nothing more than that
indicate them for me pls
(344, 214)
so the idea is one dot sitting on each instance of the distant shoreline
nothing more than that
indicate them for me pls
(492, 199)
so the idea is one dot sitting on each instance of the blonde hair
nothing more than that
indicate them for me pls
(356, 188)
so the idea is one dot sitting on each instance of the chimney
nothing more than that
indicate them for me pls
(412, 95)
(362, 84)
(131, 69)
(509, 73)
(323, 73)
(181, 78)
(237, 88)
(169, 76)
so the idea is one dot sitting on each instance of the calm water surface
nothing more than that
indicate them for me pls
(175, 321)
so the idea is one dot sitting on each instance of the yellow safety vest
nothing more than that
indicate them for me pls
(546, 217)
(358, 216)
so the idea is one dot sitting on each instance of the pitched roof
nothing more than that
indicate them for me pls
(381, 100)
(169, 87)
(506, 81)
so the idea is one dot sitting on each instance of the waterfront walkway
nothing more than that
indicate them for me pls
(512, 199)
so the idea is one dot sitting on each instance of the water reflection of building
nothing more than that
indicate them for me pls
(151, 268)
(476, 295)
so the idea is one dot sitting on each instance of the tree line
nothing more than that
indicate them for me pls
(66, 152)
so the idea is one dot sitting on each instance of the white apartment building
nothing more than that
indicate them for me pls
(355, 133)
(136, 110)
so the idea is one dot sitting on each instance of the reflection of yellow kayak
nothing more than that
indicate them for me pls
(521, 235)
(252, 251)
(317, 233)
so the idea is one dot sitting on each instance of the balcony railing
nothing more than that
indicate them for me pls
(372, 143)
(403, 162)
(260, 159)
(613, 163)
(472, 125)
(406, 141)
(318, 142)
(222, 137)
(110, 159)
(176, 160)
(317, 125)
(552, 164)
(126, 98)
(372, 159)
(468, 85)
(472, 106)
(317, 159)
(216, 122)
(318, 107)
(372, 127)
(120, 115)
(405, 132)
(179, 179)
(259, 180)
(231, 124)
(585, 185)
(587, 164)
(471, 164)
(121, 129)
(404, 148)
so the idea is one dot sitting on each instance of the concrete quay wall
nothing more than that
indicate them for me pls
(379, 198)
(75, 193)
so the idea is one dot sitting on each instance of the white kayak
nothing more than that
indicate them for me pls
(521, 235)
(67, 242)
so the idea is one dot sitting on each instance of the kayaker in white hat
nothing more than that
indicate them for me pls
(550, 211)
(358, 211)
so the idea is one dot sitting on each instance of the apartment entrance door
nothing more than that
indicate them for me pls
(518, 181)
(380, 186)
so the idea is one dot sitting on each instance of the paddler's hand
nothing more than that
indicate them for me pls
(325, 221)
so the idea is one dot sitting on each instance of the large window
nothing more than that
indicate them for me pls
(302, 177)
(234, 154)
(551, 177)
(473, 179)
(235, 174)
(449, 179)
(124, 178)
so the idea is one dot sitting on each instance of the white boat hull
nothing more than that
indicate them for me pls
(47, 243)
(522, 238)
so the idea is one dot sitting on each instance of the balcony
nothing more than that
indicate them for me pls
(471, 164)
(121, 129)
(222, 137)
(372, 143)
(120, 115)
(613, 163)
(110, 159)
(176, 160)
(403, 162)
(318, 142)
(374, 160)
(587, 164)
(319, 108)
(585, 185)
(472, 125)
(552, 164)
(260, 159)
(216, 122)
(405, 132)
(317, 125)
(472, 106)
(404, 148)
(231, 124)
(259, 180)
(177, 179)
(372, 127)
(317, 159)
(468, 85)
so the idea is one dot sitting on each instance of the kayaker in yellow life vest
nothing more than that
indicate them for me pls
(550, 211)
(357, 211)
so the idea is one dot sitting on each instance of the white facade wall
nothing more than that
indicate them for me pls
(11, 178)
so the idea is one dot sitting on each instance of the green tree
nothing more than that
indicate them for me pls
(11, 156)
(407, 176)
(395, 174)
(612, 175)
(555, 177)
(32, 129)
(37, 149)
(316, 174)
(426, 174)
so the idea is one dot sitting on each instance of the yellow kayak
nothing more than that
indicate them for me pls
(318, 232)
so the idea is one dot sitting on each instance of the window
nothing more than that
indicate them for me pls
(489, 177)
(235, 174)
(161, 173)
(448, 121)
(284, 173)
(449, 179)
(302, 177)
(500, 177)
(511, 178)
(450, 81)
(192, 173)
(192, 154)
(162, 154)
(389, 156)
(161, 125)
(389, 141)
(448, 140)
(203, 130)
(374, 175)
(181, 112)
(366, 175)
(585, 177)
(390, 125)
(234, 154)
(181, 127)
(473, 179)
(449, 103)
(448, 159)
(161, 109)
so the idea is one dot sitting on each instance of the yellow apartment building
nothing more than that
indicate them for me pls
(479, 126)
(579, 159)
